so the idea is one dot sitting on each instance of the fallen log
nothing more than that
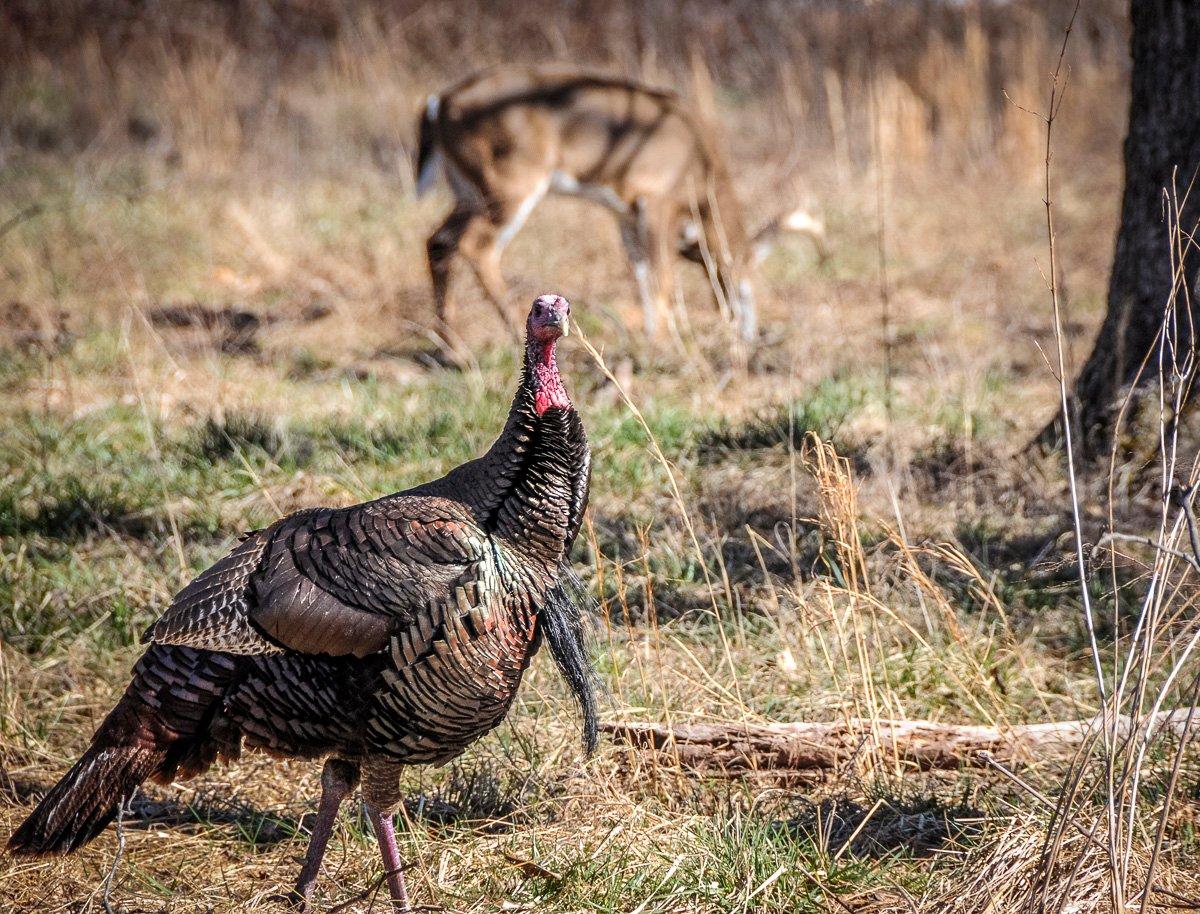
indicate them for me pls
(744, 748)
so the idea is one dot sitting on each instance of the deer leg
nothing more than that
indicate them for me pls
(338, 780)
(739, 293)
(744, 309)
(633, 236)
(486, 240)
(661, 232)
(727, 276)
(480, 247)
(441, 249)
(650, 243)
(381, 796)
(640, 264)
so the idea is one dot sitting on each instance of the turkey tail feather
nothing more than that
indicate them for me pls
(79, 806)
(562, 624)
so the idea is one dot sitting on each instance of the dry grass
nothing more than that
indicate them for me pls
(214, 310)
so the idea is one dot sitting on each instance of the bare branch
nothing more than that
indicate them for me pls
(105, 898)
(1192, 560)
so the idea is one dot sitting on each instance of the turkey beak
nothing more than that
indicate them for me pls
(562, 322)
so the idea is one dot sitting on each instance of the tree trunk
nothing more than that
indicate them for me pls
(1162, 151)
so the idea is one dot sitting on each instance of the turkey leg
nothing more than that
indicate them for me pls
(338, 779)
(385, 834)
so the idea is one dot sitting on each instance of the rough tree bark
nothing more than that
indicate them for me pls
(1162, 149)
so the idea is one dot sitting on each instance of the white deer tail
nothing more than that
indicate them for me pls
(798, 221)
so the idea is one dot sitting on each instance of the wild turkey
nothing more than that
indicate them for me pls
(390, 633)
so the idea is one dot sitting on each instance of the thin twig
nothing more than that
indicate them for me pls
(1055, 105)
(29, 212)
(1057, 92)
(885, 300)
(1036, 794)
(1192, 560)
(1185, 499)
(372, 891)
(105, 900)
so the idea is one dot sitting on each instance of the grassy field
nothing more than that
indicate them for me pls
(214, 311)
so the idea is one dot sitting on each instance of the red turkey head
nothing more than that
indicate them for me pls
(549, 318)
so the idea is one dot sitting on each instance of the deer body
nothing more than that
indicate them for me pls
(505, 138)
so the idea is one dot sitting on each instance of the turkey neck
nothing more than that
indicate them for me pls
(530, 488)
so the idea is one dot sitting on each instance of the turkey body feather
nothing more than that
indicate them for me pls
(329, 581)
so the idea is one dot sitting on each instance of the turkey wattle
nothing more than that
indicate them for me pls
(389, 633)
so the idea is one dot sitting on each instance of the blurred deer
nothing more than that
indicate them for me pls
(506, 137)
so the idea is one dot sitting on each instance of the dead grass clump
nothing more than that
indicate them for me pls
(914, 827)
(223, 437)
(824, 413)
(211, 810)
(27, 329)
(1015, 871)
(476, 796)
(235, 330)
(76, 509)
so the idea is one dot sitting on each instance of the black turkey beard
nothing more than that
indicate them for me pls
(562, 623)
